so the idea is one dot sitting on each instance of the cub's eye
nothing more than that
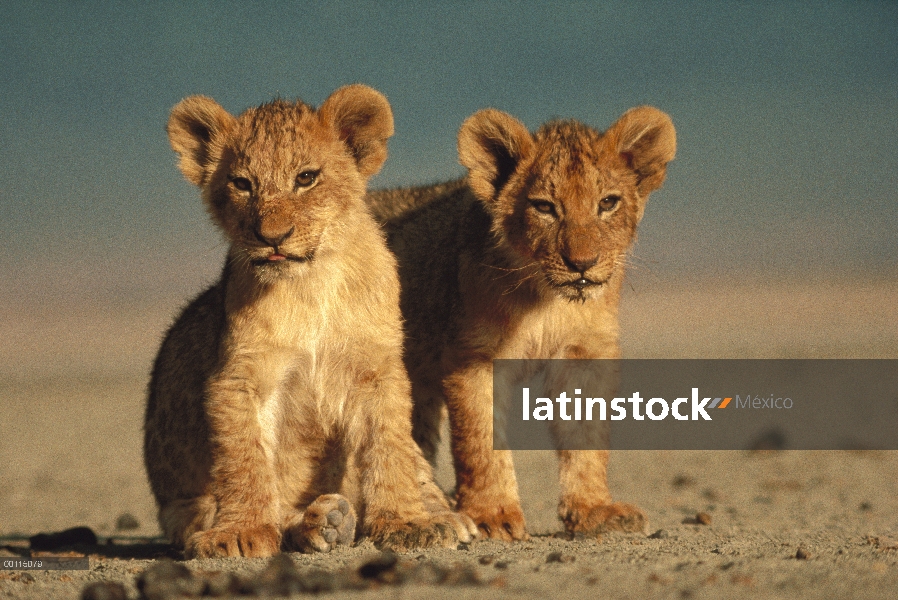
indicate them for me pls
(242, 183)
(544, 206)
(306, 178)
(608, 203)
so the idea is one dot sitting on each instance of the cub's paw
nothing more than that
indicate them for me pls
(224, 541)
(498, 522)
(465, 528)
(429, 531)
(616, 516)
(328, 522)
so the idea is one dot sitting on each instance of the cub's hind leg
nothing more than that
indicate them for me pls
(427, 419)
(180, 519)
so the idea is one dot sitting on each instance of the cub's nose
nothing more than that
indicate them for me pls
(580, 263)
(273, 238)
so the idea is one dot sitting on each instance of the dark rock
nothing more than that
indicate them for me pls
(126, 522)
(382, 568)
(558, 557)
(682, 481)
(104, 590)
(167, 579)
(63, 539)
(221, 583)
(279, 578)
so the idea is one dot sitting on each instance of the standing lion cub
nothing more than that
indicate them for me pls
(281, 388)
(524, 259)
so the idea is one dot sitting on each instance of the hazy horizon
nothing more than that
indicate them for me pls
(786, 116)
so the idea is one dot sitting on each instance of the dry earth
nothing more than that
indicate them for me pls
(71, 392)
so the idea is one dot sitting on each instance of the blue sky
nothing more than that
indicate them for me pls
(786, 113)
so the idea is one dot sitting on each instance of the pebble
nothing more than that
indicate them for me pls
(801, 554)
(559, 557)
(167, 579)
(104, 590)
(661, 534)
(681, 481)
(703, 518)
(126, 522)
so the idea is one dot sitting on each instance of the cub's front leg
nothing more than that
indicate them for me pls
(586, 505)
(241, 478)
(400, 511)
(487, 490)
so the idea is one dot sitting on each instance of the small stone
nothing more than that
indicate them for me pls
(801, 554)
(487, 560)
(319, 581)
(126, 522)
(382, 568)
(558, 557)
(221, 583)
(104, 590)
(703, 518)
(661, 534)
(456, 575)
(681, 481)
(502, 564)
(168, 579)
(279, 578)
(866, 507)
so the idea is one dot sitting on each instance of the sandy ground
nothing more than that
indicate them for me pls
(71, 392)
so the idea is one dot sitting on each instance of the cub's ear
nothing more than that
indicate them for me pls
(364, 121)
(195, 131)
(491, 144)
(645, 138)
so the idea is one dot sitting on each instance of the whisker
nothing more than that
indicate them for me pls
(507, 269)
(521, 281)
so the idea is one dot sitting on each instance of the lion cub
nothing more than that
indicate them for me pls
(523, 259)
(282, 385)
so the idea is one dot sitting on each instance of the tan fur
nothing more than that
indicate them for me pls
(282, 386)
(523, 259)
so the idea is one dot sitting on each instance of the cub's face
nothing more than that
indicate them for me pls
(276, 178)
(566, 201)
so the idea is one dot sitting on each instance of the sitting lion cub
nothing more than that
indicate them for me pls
(524, 259)
(283, 384)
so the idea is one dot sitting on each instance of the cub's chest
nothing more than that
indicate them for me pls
(552, 330)
(294, 313)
